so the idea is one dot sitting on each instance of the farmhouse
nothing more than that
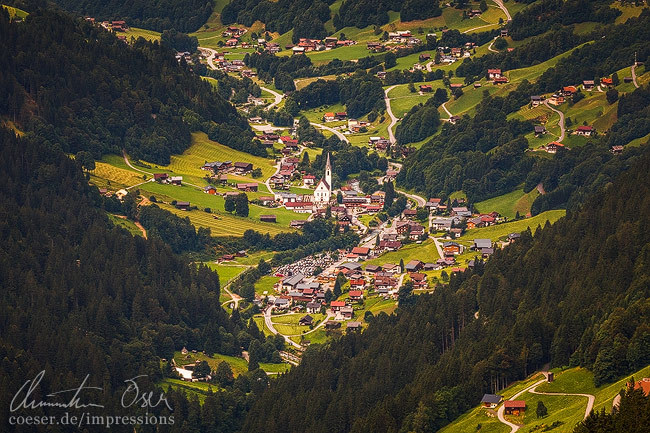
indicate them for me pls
(535, 100)
(248, 187)
(353, 326)
(588, 84)
(313, 307)
(414, 265)
(494, 73)
(426, 88)
(491, 400)
(451, 248)
(176, 180)
(306, 320)
(514, 407)
(290, 283)
(539, 130)
(243, 167)
(183, 205)
(553, 147)
(210, 190)
(585, 130)
(160, 177)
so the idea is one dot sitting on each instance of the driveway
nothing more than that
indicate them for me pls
(393, 119)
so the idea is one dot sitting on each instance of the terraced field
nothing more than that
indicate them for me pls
(116, 175)
(136, 33)
(228, 225)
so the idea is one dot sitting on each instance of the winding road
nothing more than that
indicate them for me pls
(276, 95)
(444, 107)
(126, 160)
(480, 27)
(339, 134)
(500, 412)
(560, 123)
(393, 119)
(490, 46)
(590, 401)
(500, 4)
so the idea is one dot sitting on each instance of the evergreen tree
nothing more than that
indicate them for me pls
(241, 205)
(542, 411)
(223, 374)
(229, 204)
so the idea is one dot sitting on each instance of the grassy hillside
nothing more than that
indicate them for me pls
(509, 204)
(567, 410)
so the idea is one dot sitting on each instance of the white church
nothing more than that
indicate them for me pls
(323, 191)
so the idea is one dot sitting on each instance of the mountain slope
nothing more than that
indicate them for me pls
(576, 293)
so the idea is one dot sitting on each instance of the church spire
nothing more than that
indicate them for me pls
(328, 172)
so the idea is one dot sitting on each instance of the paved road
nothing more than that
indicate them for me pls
(429, 65)
(436, 241)
(330, 315)
(515, 427)
(590, 401)
(338, 133)
(503, 8)
(560, 123)
(490, 46)
(393, 119)
(634, 76)
(444, 107)
(211, 54)
(269, 324)
(276, 95)
(421, 201)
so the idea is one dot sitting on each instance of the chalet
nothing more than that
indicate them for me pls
(255, 119)
(461, 211)
(440, 224)
(494, 73)
(331, 324)
(409, 213)
(341, 115)
(347, 312)
(454, 119)
(373, 269)
(266, 200)
(419, 279)
(374, 46)
(119, 26)
(474, 13)
(268, 218)
(451, 248)
(247, 187)
(553, 147)
(160, 177)
(300, 206)
(514, 407)
(617, 150)
(491, 400)
(361, 251)
(456, 86)
(586, 131)
(500, 80)
(504, 33)
(414, 265)
(277, 182)
(297, 223)
(176, 180)
(210, 190)
(556, 99)
(298, 50)
(424, 57)
(385, 282)
(281, 303)
(479, 244)
(353, 326)
(389, 245)
(643, 385)
(535, 100)
(588, 85)
(329, 117)
(337, 305)
(243, 167)
(290, 283)
(313, 307)
(473, 223)
(456, 232)
(431, 266)
(183, 205)
(309, 179)
(306, 320)
(390, 269)
(606, 82)
(539, 130)
(356, 295)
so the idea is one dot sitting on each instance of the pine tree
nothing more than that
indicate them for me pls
(241, 205)
(542, 411)
(229, 205)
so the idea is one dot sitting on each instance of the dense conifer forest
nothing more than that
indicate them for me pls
(582, 300)
(82, 89)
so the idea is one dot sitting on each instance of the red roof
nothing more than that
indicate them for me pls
(416, 276)
(357, 283)
(298, 204)
(356, 293)
(585, 128)
(494, 71)
(361, 250)
(643, 384)
(570, 89)
(515, 404)
(337, 303)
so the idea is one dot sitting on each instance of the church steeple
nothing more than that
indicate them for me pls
(328, 172)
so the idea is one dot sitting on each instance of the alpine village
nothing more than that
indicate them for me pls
(325, 216)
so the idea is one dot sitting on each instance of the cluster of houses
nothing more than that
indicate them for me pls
(333, 117)
(396, 40)
(233, 34)
(236, 65)
(305, 45)
(379, 143)
(220, 167)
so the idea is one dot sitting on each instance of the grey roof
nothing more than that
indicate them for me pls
(303, 286)
(313, 305)
(491, 398)
(281, 301)
(351, 266)
(483, 243)
(294, 280)
(353, 325)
